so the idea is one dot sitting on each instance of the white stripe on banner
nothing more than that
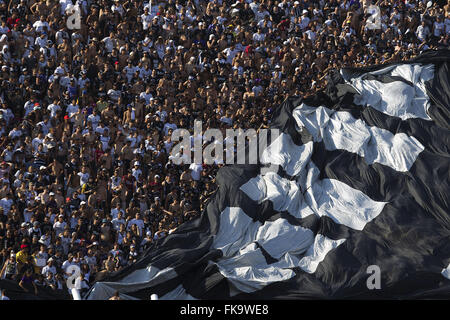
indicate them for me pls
(243, 263)
(284, 194)
(285, 153)
(340, 202)
(397, 98)
(327, 197)
(249, 271)
(279, 237)
(339, 130)
(317, 252)
(446, 272)
(236, 231)
(137, 280)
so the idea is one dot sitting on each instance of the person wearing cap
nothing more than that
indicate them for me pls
(23, 257)
(136, 171)
(23, 231)
(132, 254)
(35, 230)
(67, 263)
(59, 225)
(147, 241)
(49, 267)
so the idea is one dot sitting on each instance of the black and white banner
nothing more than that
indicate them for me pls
(358, 179)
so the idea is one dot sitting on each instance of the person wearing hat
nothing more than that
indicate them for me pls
(23, 231)
(59, 225)
(23, 257)
(35, 230)
(304, 22)
(132, 254)
(49, 267)
(147, 241)
(136, 171)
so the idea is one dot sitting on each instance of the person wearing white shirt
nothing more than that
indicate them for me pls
(161, 113)
(109, 42)
(146, 18)
(261, 13)
(27, 214)
(45, 125)
(137, 221)
(53, 108)
(72, 108)
(231, 53)
(49, 267)
(6, 204)
(145, 72)
(59, 225)
(136, 171)
(41, 41)
(196, 170)
(104, 139)
(117, 7)
(15, 133)
(146, 95)
(311, 33)
(129, 71)
(90, 260)
(60, 36)
(83, 81)
(69, 262)
(168, 126)
(28, 106)
(94, 118)
(259, 36)
(422, 31)
(7, 114)
(118, 220)
(41, 25)
(84, 176)
(304, 20)
(4, 28)
(438, 27)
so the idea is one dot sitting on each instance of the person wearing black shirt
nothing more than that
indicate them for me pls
(246, 13)
(74, 202)
(9, 241)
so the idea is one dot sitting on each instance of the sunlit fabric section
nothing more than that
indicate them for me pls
(340, 130)
(397, 90)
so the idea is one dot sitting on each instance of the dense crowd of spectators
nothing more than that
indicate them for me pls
(87, 113)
